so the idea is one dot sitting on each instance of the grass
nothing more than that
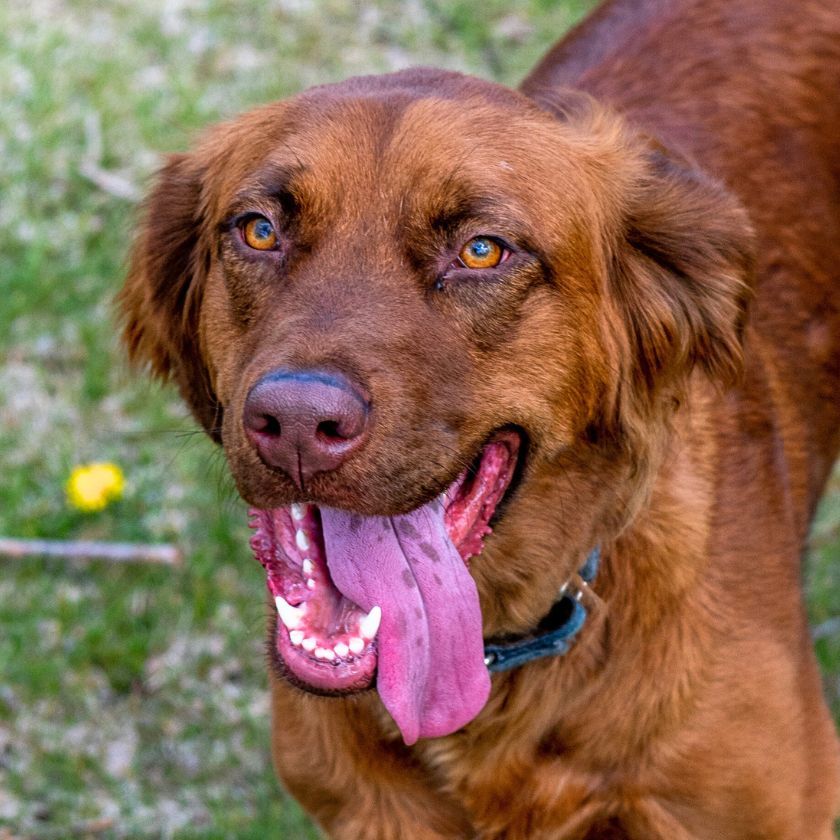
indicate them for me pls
(133, 699)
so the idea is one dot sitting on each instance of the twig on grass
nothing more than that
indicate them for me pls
(162, 553)
(113, 183)
(110, 182)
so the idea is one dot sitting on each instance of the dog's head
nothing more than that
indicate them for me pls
(413, 306)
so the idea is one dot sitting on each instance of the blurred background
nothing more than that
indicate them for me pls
(133, 698)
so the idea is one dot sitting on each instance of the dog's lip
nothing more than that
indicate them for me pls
(469, 504)
(317, 638)
(321, 677)
(479, 506)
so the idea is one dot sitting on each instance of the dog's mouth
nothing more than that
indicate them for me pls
(388, 597)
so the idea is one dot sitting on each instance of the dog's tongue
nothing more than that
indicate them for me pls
(430, 674)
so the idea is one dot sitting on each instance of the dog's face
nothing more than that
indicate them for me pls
(412, 306)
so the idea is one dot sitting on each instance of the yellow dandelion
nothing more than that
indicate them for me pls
(92, 487)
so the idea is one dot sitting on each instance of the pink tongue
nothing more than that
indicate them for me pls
(430, 674)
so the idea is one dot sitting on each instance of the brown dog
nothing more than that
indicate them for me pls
(416, 305)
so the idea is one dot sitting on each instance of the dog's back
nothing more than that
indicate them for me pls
(750, 91)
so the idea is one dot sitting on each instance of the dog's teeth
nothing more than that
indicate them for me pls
(310, 583)
(324, 653)
(357, 645)
(298, 512)
(289, 615)
(302, 540)
(308, 567)
(309, 644)
(341, 649)
(296, 636)
(369, 625)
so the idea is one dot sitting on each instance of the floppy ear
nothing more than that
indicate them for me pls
(159, 303)
(680, 256)
(679, 281)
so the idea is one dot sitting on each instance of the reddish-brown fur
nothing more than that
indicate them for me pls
(696, 169)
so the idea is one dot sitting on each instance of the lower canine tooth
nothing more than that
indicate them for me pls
(308, 567)
(357, 645)
(289, 615)
(369, 625)
(296, 636)
(309, 644)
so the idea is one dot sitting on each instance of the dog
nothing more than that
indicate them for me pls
(533, 394)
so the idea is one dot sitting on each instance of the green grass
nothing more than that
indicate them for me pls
(133, 699)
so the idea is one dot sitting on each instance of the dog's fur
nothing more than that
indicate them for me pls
(692, 177)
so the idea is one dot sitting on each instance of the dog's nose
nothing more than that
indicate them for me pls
(305, 421)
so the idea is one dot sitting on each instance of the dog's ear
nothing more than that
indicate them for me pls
(679, 279)
(679, 263)
(159, 302)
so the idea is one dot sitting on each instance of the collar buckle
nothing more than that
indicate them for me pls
(503, 657)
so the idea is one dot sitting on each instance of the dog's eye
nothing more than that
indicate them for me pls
(259, 234)
(481, 252)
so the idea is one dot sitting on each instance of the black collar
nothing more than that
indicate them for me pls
(555, 642)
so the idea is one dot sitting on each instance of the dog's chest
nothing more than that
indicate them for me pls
(516, 795)
(609, 830)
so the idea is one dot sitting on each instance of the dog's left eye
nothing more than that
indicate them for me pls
(482, 252)
(259, 234)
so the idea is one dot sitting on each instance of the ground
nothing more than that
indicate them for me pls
(133, 699)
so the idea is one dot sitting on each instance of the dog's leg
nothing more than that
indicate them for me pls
(334, 760)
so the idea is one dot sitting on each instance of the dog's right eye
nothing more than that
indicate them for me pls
(259, 234)
(482, 252)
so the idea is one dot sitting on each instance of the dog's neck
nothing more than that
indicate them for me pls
(654, 561)
(558, 629)
(585, 496)
(653, 589)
